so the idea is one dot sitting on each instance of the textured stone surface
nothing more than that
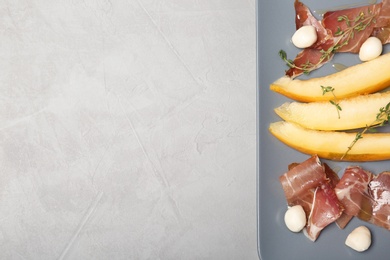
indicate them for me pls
(127, 129)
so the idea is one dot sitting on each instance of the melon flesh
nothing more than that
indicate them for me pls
(332, 144)
(356, 112)
(360, 79)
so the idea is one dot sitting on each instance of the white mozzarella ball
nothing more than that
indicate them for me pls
(295, 218)
(370, 49)
(305, 36)
(359, 239)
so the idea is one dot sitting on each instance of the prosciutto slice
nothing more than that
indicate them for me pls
(343, 220)
(351, 190)
(382, 34)
(306, 195)
(384, 15)
(301, 178)
(331, 176)
(306, 200)
(310, 58)
(307, 60)
(311, 184)
(325, 210)
(382, 25)
(349, 21)
(380, 198)
(351, 187)
(303, 17)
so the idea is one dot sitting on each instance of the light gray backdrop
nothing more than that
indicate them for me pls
(127, 129)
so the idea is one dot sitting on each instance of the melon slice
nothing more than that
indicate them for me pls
(363, 78)
(331, 144)
(356, 112)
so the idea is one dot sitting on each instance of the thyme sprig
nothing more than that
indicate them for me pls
(381, 119)
(306, 67)
(360, 23)
(334, 102)
(355, 25)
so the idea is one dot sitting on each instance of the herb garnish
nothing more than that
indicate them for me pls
(382, 118)
(306, 68)
(334, 102)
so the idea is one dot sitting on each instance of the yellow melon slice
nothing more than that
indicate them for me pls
(363, 78)
(333, 145)
(356, 112)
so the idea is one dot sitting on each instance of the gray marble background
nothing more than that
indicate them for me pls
(128, 129)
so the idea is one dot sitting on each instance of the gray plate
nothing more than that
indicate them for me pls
(275, 25)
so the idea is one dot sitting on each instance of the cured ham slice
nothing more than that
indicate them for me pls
(331, 176)
(380, 198)
(305, 199)
(382, 34)
(365, 212)
(351, 27)
(343, 220)
(303, 177)
(382, 25)
(351, 187)
(351, 190)
(365, 196)
(310, 58)
(303, 17)
(325, 210)
(384, 15)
